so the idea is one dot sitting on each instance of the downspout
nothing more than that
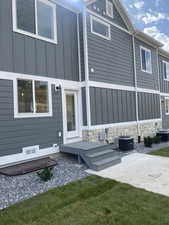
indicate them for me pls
(85, 41)
(136, 92)
(157, 51)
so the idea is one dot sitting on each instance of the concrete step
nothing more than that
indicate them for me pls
(105, 163)
(102, 154)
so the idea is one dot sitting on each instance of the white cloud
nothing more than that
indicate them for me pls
(151, 17)
(138, 5)
(159, 36)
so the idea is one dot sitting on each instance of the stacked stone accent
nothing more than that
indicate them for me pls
(134, 130)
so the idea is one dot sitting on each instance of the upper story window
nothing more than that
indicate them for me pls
(36, 18)
(165, 70)
(146, 62)
(100, 28)
(33, 98)
(167, 106)
(109, 8)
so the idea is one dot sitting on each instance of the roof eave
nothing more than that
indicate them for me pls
(145, 37)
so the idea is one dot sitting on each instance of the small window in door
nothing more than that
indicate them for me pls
(71, 121)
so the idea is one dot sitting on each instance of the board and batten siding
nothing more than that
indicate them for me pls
(23, 54)
(146, 80)
(112, 60)
(164, 84)
(19, 133)
(111, 106)
(148, 106)
(99, 7)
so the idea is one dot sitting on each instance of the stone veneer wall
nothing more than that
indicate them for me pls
(145, 129)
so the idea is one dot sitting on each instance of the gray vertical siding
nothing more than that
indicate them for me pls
(112, 60)
(165, 118)
(164, 84)
(146, 80)
(81, 47)
(19, 133)
(148, 106)
(111, 106)
(22, 54)
(99, 7)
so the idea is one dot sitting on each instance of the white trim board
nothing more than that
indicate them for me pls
(73, 84)
(12, 76)
(21, 157)
(121, 87)
(104, 126)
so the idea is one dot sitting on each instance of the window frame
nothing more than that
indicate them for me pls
(164, 62)
(102, 22)
(108, 3)
(149, 51)
(17, 114)
(37, 36)
(166, 98)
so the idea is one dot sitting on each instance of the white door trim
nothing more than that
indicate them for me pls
(78, 136)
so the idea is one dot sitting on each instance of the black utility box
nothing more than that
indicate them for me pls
(164, 135)
(126, 143)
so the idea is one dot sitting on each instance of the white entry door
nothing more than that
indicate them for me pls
(72, 114)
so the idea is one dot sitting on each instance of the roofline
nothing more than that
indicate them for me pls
(143, 36)
(163, 52)
(137, 33)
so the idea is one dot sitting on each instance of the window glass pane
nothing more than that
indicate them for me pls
(25, 96)
(167, 106)
(100, 28)
(45, 20)
(166, 66)
(165, 70)
(70, 106)
(41, 96)
(26, 15)
(143, 55)
(148, 61)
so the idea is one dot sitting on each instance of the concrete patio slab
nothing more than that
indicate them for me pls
(140, 170)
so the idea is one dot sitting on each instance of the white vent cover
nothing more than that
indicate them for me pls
(31, 149)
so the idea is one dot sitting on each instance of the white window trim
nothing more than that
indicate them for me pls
(34, 114)
(164, 62)
(17, 30)
(147, 50)
(166, 98)
(102, 22)
(108, 3)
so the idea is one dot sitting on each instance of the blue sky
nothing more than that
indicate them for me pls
(152, 17)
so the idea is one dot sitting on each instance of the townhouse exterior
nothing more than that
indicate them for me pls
(73, 71)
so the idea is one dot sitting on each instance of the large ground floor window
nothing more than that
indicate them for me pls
(33, 98)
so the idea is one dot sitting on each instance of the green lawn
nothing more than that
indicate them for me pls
(92, 201)
(161, 152)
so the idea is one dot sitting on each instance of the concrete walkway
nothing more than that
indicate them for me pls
(140, 170)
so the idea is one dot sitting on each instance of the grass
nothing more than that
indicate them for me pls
(91, 201)
(161, 152)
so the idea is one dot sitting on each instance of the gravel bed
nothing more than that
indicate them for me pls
(15, 189)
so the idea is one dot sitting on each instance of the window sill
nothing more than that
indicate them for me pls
(166, 79)
(35, 36)
(144, 71)
(35, 115)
